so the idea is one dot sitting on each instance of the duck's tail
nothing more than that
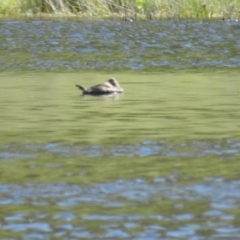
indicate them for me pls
(84, 91)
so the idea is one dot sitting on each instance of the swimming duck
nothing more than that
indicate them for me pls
(109, 87)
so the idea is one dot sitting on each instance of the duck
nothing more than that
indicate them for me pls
(111, 86)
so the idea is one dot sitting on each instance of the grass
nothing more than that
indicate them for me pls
(124, 9)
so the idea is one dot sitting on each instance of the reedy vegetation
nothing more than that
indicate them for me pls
(125, 9)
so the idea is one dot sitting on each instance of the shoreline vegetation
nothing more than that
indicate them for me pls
(123, 9)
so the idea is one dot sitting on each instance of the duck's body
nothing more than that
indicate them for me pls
(111, 86)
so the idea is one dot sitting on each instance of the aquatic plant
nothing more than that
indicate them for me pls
(125, 9)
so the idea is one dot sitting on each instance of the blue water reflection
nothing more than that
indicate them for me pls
(220, 195)
(224, 149)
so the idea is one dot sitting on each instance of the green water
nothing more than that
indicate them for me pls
(42, 108)
(159, 161)
(161, 119)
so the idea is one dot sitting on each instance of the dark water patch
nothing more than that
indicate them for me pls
(224, 149)
(118, 45)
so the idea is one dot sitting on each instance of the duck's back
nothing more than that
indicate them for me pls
(108, 87)
(102, 88)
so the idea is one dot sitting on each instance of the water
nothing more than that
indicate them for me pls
(118, 45)
(160, 161)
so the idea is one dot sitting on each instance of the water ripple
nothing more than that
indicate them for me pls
(118, 45)
(224, 149)
(217, 193)
(225, 195)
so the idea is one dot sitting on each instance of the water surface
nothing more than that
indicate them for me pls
(160, 161)
(118, 45)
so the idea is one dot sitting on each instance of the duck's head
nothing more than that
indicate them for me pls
(113, 82)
